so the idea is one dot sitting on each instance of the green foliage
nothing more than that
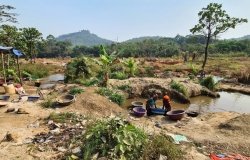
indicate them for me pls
(113, 138)
(106, 62)
(6, 16)
(36, 71)
(124, 87)
(76, 90)
(179, 87)
(118, 75)
(77, 69)
(12, 73)
(26, 74)
(208, 82)
(30, 38)
(161, 145)
(88, 82)
(131, 64)
(112, 95)
(149, 71)
(64, 117)
(48, 103)
(213, 21)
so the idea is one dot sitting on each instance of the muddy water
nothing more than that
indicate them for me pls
(55, 77)
(50, 81)
(236, 102)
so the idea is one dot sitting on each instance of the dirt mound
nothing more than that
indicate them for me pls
(92, 104)
(238, 124)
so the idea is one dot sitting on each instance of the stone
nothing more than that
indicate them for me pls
(21, 111)
(61, 149)
(10, 110)
(76, 150)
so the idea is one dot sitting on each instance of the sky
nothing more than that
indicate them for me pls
(120, 20)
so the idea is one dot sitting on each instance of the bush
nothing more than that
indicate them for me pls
(76, 90)
(118, 75)
(113, 138)
(77, 69)
(161, 145)
(37, 70)
(48, 103)
(113, 96)
(179, 87)
(208, 82)
(64, 117)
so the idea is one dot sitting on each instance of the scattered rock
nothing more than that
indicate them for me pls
(76, 150)
(61, 149)
(55, 131)
(10, 110)
(162, 157)
(21, 111)
(7, 138)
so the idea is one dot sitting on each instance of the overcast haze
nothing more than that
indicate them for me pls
(124, 19)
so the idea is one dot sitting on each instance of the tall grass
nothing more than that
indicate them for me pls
(37, 70)
(179, 87)
(208, 82)
(112, 95)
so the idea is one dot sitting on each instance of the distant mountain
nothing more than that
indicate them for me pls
(243, 38)
(85, 38)
(140, 39)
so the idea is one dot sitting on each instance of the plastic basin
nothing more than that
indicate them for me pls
(137, 104)
(176, 114)
(139, 111)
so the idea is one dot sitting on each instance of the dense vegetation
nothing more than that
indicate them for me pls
(191, 45)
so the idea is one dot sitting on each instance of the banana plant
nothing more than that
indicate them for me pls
(106, 61)
(131, 64)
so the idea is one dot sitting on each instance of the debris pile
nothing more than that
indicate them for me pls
(62, 137)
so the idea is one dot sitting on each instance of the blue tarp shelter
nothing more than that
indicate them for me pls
(7, 51)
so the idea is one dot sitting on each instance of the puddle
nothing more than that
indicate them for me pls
(236, 102)
(55, 78)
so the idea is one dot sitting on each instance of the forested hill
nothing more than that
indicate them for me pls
(140, 39)
(247, 37)
(84, 38)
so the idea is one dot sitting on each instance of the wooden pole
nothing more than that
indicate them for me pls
(4, 75)
(19, 73)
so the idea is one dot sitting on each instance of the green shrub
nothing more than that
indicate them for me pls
(76, 90)
(149, 71)
(117, 98)
(208, 82)
(37, 70)
(118, 75)
(112, 95)
(64, 117)
(48, 103)
(77, 69)
(91, 82)
(161, 145)
(113, 138)
(179, 87)
(124, 87)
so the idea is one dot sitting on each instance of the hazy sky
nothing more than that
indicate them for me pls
(124, 19)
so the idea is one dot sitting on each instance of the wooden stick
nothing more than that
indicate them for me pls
(4, 75)
(19, 73)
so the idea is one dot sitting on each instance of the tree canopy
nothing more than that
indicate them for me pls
(213, 20)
